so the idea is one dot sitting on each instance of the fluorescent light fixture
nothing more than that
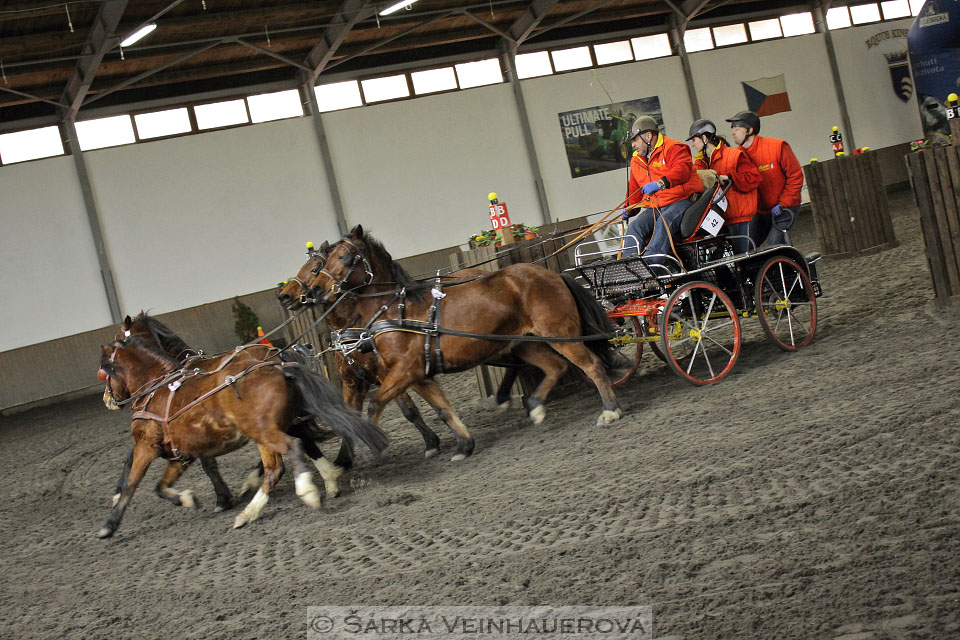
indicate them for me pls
(138, 34)
(396, 7)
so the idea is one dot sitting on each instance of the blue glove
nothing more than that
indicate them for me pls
(650, 187)
(625, 213)
(777, 210)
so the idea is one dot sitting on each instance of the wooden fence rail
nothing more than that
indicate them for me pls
(935, 177)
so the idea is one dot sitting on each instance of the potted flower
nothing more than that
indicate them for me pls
(483, 239)
(530, 232)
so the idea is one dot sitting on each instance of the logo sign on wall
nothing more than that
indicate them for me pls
(934, 43)
(595, 138)
(892, 43)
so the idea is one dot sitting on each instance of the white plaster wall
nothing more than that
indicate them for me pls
(417, 173)
(50, 284)
(550, 95)
(201, 218)
(878, 117)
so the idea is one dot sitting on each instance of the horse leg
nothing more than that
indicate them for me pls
(272, 446)
(253, 479)
(354, 391)
(430, 440)
(504, 390)
(124, 474)
(329, 471)
(432, 393)
(143, 454)
(212, 469)
(590, 364)
(165, 489)
(553, 368)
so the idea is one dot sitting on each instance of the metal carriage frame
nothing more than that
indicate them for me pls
(688, 310)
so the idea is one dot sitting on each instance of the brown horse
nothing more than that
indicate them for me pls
(155, 332)
(182, 414)
(359, 373)
(519, 300)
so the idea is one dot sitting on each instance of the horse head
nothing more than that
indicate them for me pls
(295, 292)
(155, 333)
(347, 266)
(111, 375)
(128, 365)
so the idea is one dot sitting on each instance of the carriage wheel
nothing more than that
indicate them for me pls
(786, 303)
(631, 350)
(700, 332)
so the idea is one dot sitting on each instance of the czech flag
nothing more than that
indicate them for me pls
(767, 96)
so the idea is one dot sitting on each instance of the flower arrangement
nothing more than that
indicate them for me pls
(485, 238)
(521, 230)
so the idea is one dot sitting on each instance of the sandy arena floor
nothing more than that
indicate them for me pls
(809, 495)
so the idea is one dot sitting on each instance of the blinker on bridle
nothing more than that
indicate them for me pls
(355, 257)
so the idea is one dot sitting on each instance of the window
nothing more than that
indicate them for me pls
(386, 88)
(797, 24)
(647, 47)
(531, 65)
(864, 13)
(434, 80)
(729, 34)
(698, 40)
(105, 132)
(567, 59)
(476, 74)
(221, 114)
(612, 52)
(765, 29)
(838, 18)
(338, 95)
(895, 9)
(162, 123)
(915, 6)
(30, 145)
(275, 106)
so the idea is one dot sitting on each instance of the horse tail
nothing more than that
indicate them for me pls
(593, 320)
(320, 399)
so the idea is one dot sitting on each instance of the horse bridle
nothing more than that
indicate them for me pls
(354, 253)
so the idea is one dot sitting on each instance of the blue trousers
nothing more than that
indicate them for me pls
(648, 228)
(763, 228)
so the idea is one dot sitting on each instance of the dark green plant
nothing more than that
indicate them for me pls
(245, 321)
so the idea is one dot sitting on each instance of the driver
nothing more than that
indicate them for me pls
(657, 191)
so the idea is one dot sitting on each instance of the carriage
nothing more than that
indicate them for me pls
(688, 307)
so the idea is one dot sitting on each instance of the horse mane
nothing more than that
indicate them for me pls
(170, 342)
(165, 360)
(378, 255)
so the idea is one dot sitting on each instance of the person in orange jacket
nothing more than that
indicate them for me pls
(657, 190)
(780, 174)
(711, 151)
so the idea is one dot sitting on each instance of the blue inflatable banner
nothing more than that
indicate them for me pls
(934, 43)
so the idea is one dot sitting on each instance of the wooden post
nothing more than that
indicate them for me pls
(850, 206)
(935, 177)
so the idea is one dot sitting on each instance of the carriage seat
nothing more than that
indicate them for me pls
(695, 213)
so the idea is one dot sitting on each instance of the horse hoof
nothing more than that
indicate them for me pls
(239, 521)
(431, 453)
(458, 457)
(537, 414)
(187, 499)
(105, 532)
(609, 417)
(222, 507)
(307, 491)
(502, 408)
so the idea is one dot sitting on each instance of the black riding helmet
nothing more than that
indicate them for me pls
(746, 119)
(702, 128)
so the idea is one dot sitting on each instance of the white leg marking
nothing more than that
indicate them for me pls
(458, 457)
(429, 453)
(116, 499)
(331, 474)
(252, 512)
(538, 414)
(187, 499)
(608, 417)
(307, 490)
(503, 407)
(251, 482)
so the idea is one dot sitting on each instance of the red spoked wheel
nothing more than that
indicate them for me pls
(700, 333)
(627, 344)
(786, 303)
